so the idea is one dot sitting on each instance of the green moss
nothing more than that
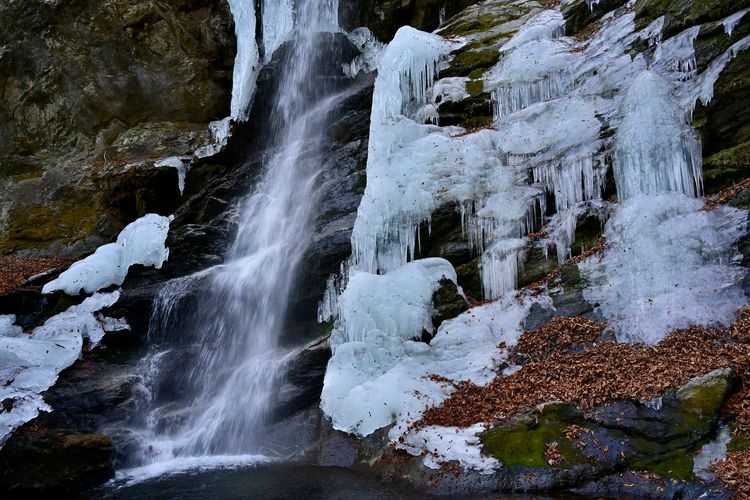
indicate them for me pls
(678, 465)
(35, 226)
(726, 167)
(475, 87)
(703, 396)
(476, 74)
(469, 61)
(473, 25)
(469, 278)
(739, 442)
(571, 277)
(685, 12)
(490, 41)
(525, 442)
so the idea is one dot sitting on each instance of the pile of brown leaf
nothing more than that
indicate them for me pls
(561, 334)
(734, 471)
(14, 271)
(726, 195)
(605, 372)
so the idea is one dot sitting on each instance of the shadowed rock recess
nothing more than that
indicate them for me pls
(473, 312)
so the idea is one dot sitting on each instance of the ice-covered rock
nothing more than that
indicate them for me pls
(377, 373)
(140, 242)
(30, 364)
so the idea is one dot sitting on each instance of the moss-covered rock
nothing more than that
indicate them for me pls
(700, 399)
(579, 14)
(527, 441)
(385, 17)
(448, 303)
(473, 112)
(559, 443)
(684, 13)
(467, 62)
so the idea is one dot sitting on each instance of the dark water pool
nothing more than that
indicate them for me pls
(276, 481)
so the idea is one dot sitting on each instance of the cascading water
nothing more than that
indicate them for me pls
(211, 388)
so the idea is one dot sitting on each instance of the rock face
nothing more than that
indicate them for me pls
(384, 18)
(40, 462)
(91, 93)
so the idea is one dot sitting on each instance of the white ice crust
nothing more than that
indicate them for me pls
(30, 363)
(141, 242)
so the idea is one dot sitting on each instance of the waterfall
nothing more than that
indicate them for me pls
(209, 387)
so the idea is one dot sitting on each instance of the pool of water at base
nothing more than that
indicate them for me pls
(265, 482)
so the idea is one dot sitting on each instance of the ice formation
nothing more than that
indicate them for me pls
(443, 444)
(178, 164)
(732, 21)
(377, 375)
(247, 60)
(220, 131)
(667, 267)
(140, 242)
(414, 168)
(278, 22)
(30, 364)
(711, 453)
(371, 51)
(668, 263)
(655, 150)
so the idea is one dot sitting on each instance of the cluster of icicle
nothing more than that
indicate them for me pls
(668, 264)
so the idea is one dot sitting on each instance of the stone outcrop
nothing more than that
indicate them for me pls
(91, 94)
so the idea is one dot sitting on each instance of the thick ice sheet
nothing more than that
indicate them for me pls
(377, 375)
(667, 266)
(247, 60)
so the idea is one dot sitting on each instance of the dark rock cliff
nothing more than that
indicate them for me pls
(91, 93)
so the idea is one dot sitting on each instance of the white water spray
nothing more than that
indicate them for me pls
(212, 394)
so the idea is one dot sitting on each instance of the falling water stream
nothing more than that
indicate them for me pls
(211, 395)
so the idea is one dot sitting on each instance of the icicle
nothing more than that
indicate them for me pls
(655, 150)
(732, 21)
(653, 33)
(534, 72)
(246, 63)
(677, 55)
(371, 51)
(704, 89)
(500, 264)
(570, 181)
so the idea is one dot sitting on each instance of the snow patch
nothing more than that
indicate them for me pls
(30, 364)
(141, 242)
